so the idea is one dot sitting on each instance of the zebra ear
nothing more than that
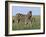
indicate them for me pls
(30, 12)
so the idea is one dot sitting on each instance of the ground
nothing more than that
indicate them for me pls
(21, 26)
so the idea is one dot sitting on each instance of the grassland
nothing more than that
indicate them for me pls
(21, 26)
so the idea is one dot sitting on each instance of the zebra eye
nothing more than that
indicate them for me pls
(13, 21)
(30, 16)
